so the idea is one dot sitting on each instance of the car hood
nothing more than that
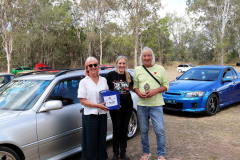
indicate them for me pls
(4, 114)
(189, 85)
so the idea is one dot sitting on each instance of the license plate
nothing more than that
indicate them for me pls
(171, 101)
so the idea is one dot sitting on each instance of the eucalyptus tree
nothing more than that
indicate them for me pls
(12, 12)
(96, 12)
(137, 13)
(214, 15)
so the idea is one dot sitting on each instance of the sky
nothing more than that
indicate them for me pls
(171, 6)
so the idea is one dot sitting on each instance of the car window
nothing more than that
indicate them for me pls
(21, 94)
(228, 74)
(18, 68)
(180, 65)
(201, 74)
(66, 91)
(6, 78)
(185, 65)
(234, 74)
(27, 68)
(41, 68)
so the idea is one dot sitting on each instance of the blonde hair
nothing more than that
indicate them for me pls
(87, 63)
(128, 77)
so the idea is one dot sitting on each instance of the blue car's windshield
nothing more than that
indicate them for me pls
(201, 74)
(21, 95)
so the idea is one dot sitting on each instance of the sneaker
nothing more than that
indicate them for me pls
(146, 157)
(124, 156)
(115, 157)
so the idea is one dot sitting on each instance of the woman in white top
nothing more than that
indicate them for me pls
(94, 117)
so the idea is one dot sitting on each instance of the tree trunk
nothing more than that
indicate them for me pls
(136, 47)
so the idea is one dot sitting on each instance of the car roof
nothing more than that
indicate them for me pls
(213, 66)
(3, 74)
(44, 75)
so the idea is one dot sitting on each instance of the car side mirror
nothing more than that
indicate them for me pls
(227, 80)
(51, 105)
(177, 77)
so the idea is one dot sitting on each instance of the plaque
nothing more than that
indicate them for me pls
(146, 87)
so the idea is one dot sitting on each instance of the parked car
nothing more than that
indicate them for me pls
(203, 89)
(21, 69)
(184, 67)
(106, 67)
(41, 116)
(5, 77)
(238, 64)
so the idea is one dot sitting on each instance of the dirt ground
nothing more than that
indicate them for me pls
(192, 136)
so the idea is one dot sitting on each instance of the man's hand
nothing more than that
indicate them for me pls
(151, 93)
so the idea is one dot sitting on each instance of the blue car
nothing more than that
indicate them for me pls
(203, 89)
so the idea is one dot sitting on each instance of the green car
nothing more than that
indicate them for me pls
(21, 69)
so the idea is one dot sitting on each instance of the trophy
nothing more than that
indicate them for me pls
(146, 87)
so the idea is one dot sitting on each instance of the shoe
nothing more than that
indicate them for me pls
(124, 156)
(146, 157)
(115, 157)
(161, 158)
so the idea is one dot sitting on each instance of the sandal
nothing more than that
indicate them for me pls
(161, 159)
(146, 157)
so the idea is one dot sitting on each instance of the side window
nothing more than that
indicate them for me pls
(228, 74)
(234, 74)
(185, 66)
(66, 91)
(180, 65)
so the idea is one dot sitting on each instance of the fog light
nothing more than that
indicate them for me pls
(194, 105)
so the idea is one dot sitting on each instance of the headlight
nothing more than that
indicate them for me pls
(194, 94)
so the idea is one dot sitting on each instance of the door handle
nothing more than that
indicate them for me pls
(81, 110)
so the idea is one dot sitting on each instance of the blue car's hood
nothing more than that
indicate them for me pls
(187, 85)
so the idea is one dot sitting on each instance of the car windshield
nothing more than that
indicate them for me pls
(201, 74)
(5, 78)
(27, 68)
(21, 94)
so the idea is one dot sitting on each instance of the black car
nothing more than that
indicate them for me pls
(238, 64)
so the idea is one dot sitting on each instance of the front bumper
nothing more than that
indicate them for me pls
(193, 104)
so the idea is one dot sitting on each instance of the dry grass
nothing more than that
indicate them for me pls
(192, 136)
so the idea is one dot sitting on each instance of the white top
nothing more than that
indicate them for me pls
(90, 91)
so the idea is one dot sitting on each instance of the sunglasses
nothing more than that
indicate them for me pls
(91, 65)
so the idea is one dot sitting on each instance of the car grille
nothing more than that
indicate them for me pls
(178, 106)
(173, 93)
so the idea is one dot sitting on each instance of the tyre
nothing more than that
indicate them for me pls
(212, 105)
(179, 70)
(8, 154)
(133, 125)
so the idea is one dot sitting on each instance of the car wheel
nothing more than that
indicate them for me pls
(133, 125)
(8, 154)
(212, 105)
(179, 70)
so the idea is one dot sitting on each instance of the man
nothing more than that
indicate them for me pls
(150, 101)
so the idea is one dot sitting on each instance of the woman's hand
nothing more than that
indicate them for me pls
(103, 107)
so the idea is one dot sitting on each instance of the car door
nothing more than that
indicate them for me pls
(60, 130)
(235, 86)
(226, 90)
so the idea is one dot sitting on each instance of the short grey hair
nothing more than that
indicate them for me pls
(147, 49)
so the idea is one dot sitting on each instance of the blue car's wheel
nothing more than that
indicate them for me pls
(212, 105)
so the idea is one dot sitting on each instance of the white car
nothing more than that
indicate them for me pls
(184, 67)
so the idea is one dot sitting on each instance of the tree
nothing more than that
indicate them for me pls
(138, 11)
(11, 14)
(214, 16)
